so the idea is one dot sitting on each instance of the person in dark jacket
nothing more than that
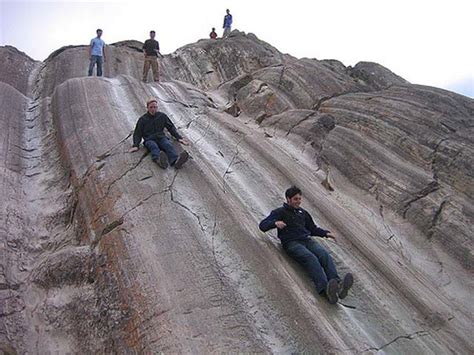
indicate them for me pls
(295, 228)
(150, 127)
(151, 50)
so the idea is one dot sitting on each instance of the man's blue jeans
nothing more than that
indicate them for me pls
(95, 59)
(315, 259)
(164, 144)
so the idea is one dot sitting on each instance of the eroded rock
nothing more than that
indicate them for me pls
(104, 252)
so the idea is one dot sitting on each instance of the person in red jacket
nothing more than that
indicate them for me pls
(213, 34)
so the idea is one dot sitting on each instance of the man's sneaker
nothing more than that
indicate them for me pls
(162, 160)
(183, 158)
(345, 285)
(331, 291)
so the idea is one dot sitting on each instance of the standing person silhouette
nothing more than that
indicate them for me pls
(96, 53)
(227, 24)
(151, 49)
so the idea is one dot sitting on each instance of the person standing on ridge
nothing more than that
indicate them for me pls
(227, 24)
(151, 50)
(295, 228)
(97, 53)
(213, 34)
(150, 127)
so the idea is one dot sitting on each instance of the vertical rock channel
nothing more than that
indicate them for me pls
(51, 302)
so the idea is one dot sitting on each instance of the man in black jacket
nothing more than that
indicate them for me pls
(151, 50)
(150, 127)
(295, 228)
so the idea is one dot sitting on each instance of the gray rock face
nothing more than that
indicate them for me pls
(375, 75)
(419, 146)
(16, 68)
(104, 252)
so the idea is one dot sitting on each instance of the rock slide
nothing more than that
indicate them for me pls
(104, 252)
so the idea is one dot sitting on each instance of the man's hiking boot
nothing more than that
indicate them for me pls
(345, 285)
(183, 158)
(162, 160)
(331, 291)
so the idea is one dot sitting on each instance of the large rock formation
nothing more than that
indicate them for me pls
(104, 252)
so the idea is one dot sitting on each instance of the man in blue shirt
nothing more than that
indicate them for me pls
(227, 24)
(295, 228)
(97, 53)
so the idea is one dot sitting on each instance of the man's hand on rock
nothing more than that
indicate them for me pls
(133, 149)
(330, 235)
(183, 141)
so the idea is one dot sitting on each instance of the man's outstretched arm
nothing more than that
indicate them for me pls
(313, 228)
(174, 132)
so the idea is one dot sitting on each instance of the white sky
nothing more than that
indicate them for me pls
(425, 42)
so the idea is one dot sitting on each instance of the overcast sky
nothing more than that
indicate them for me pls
(425, 42)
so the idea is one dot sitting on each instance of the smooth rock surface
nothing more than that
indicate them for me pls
(102, 251)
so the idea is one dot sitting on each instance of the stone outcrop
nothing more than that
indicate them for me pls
(104, 252)
(16, 68)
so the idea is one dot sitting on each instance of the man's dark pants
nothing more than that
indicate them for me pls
(95, 59)
(315, 259)
(164, 144)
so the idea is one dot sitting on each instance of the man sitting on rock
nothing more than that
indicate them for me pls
(295, 228)
(150, 127)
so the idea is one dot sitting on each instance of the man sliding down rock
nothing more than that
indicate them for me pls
(150, 127)
(295, 228)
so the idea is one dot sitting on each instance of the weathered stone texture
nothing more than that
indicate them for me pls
(103, 252)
